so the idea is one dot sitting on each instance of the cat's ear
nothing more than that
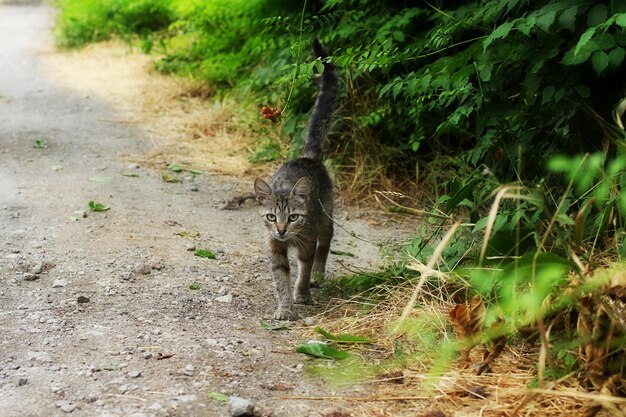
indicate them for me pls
(263, 190)
(302, 189)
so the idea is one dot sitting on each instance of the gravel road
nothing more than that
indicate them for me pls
(110, 313)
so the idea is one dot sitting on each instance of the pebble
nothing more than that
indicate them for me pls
(37, 269)
(193, 187)
(59, 283)
(190, 247)
(240, 407)
(228, 298)
(186, 398)
(82, 299)
(66, 406)
(133, 166)
(142, 269)
(21, 382)
(92, 397)
(80, 214)
(311, 321)
(188, 370)
(134, 374)
(30, 277)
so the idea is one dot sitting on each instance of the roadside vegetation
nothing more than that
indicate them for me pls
(496, 124)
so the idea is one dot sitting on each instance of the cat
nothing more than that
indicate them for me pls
(297, 204)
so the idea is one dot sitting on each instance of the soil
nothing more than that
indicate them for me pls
(109, 313)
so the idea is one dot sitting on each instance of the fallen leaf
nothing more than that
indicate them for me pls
(343, 338)
(321, 350)
(270, 326)
(98, 206)
(168, 177)
(164, 355)
(205, 253)
(100, 180)
(218, 396)
(130, 174)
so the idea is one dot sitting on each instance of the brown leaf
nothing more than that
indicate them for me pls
(477, 315)
(459, 317)
(164, 355)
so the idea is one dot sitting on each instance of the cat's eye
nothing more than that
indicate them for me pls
(270, 217)
(293, 217)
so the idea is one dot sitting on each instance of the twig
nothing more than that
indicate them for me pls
(429, 267)
(360, 399)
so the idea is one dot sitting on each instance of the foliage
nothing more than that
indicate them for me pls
(508, 104)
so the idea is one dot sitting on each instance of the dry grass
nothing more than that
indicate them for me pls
(173, 113)
(407, 388)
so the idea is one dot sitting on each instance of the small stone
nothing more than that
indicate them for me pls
(155, 406)
(82, 299)
(310, 321)
(193, 187)
(146, 355)
(21, 382)
(92, 397)
(37, 269)
(30, 277)
(188, 370)
(134, 374)
(80, 214)
(133, 166)
(66, 406)
(142, 269)
(240, 407)
(190, 247)
(186, 398)
(228, 298)
(59, 283)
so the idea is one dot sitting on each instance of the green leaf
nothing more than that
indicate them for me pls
(130, 174)
(584, 39)
(321, 350)
(616, 57)
(344, 337)
(94, 206)
(597, 15)
(460, 195)
(270, 326)
(57, 168)
(500, 32)
(174, 167)
(40, 144)
(100, 180)
(599, 61)
(342, 253)
(545, 21)
(194, 286)
(621, 20)
(205, 253)
(218, 396)
(567, 19)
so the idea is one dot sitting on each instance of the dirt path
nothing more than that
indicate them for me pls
(87, 304)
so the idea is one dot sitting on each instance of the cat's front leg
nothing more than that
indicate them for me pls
(302, 289)
(279, 264)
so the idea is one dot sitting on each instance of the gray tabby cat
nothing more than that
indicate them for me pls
(297, 204)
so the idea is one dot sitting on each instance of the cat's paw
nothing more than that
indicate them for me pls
(283, 313)
(302, 298)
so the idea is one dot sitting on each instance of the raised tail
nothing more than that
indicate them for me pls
(323, 109)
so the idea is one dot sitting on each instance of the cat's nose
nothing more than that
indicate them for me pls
(282, 232)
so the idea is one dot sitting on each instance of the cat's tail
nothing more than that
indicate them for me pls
(324, 104)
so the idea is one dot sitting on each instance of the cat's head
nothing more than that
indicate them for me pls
(284, 212)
